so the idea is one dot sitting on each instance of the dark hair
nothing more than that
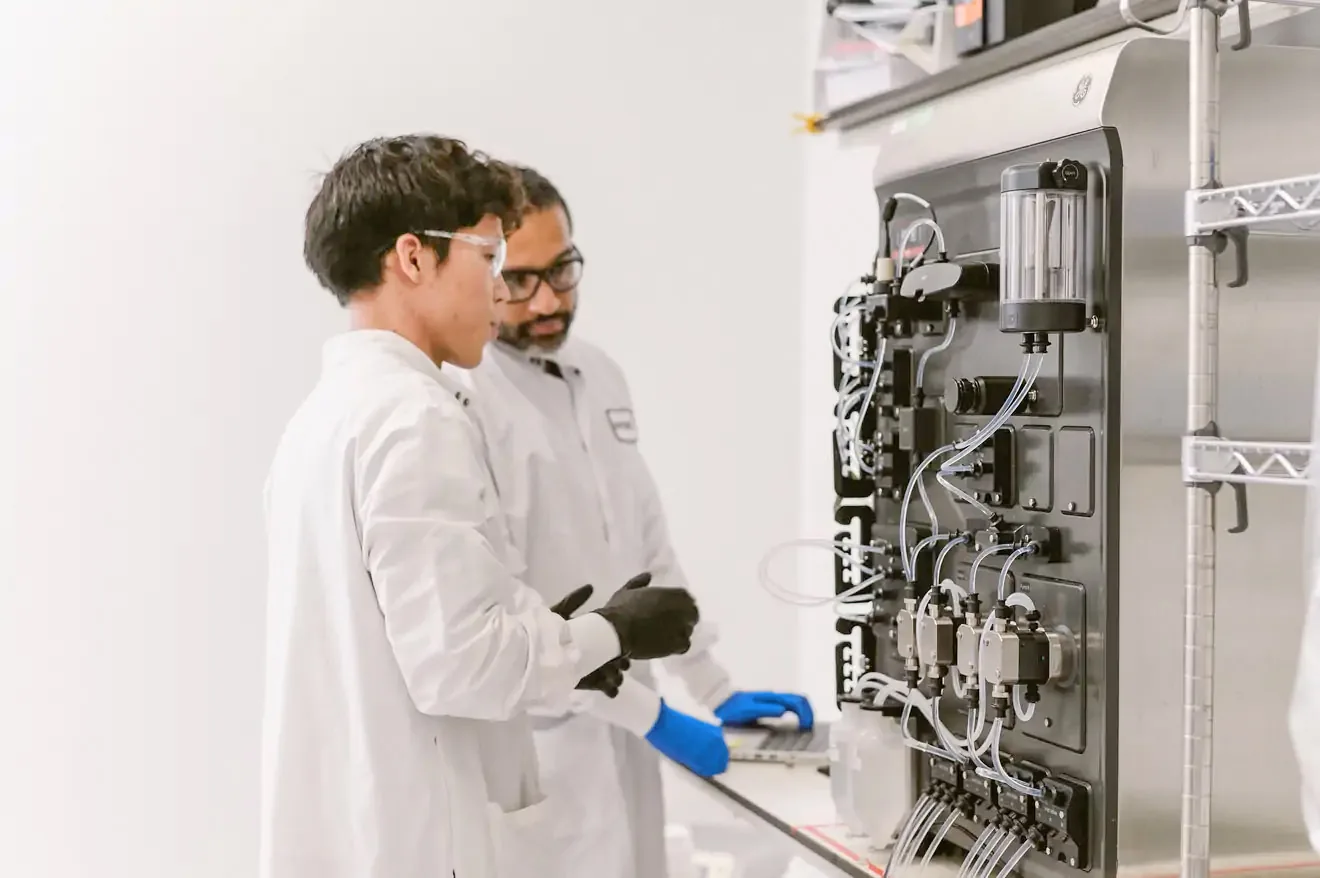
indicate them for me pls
(392, 186)
(541, 193)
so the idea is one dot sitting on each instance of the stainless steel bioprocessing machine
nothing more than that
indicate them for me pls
(1029, 455)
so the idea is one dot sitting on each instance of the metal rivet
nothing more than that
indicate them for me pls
(977, 495)
(996, 498)
(1049, 723)
(930, 327)
(1072, 861)
(896, 494)
(1031, 502)
(1071, 507)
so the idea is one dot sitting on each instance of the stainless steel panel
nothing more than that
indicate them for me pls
(1268, 330)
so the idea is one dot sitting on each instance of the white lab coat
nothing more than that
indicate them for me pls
(581, 506)
(401, 653)
(1304, 718)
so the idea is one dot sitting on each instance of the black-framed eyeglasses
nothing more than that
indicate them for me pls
(562, 277)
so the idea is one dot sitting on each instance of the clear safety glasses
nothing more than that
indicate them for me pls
(499, 245)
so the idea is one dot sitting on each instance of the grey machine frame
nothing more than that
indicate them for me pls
(1101, 454)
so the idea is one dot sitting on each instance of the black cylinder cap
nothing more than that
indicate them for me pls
(1064, 174)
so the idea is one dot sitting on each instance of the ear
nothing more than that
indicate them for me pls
(409, 254)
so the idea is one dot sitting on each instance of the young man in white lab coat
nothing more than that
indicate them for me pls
(581, 506)
(402, 654)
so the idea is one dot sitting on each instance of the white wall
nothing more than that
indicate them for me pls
(842, 233)
(159, 327)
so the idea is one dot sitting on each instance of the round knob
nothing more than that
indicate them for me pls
(982, 395)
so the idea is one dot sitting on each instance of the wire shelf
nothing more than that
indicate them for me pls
(1267, 463)
(1282, 205)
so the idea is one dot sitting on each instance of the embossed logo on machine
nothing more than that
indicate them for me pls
(1082, 90)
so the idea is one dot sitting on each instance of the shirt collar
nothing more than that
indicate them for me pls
(539, 359)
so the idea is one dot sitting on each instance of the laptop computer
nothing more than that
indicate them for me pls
(783, 744)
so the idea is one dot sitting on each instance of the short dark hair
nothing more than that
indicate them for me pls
(392, 186)
(541, 193)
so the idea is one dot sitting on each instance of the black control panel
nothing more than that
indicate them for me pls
(924, 371)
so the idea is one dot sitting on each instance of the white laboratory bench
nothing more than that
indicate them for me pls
(794, 803)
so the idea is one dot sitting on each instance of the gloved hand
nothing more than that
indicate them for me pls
(651, 622)
(607, 678)
(572, 602)
(688, 741)
(745, 708)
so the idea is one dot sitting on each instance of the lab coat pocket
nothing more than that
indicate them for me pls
(524, 841)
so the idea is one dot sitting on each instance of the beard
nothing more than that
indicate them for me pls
(522, 336)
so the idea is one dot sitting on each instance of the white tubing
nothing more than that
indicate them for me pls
(1015, 859)
(1028, 549)
(997, 855)
(939, 837)
(915, 817)
(914, 844)
(1021, 599)
(939, 348)
(1022, 710)
(973, 855)
(996, 734)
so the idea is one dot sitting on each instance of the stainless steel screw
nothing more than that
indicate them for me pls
(1071, 507)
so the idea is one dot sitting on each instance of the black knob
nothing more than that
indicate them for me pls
(977, 396)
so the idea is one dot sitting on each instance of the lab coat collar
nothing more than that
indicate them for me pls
(351, 345)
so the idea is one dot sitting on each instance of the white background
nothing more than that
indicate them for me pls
(159, 327)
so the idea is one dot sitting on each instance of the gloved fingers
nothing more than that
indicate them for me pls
(795, 704)
(765, 709)
(641, 580)
(572, 602)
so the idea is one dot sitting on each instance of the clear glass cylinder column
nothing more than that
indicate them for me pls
(1043, 248)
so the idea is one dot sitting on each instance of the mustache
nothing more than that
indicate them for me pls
(521, 337)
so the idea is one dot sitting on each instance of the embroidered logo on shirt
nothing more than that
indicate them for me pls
(623, 424)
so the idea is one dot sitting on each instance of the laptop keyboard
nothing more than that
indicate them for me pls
(794, 741)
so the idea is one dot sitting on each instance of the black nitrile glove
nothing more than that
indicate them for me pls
(651, 622)
(607, 678)
(572, 602)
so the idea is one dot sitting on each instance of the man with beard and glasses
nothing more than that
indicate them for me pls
(581, 506)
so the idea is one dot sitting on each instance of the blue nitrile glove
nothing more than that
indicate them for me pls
(745, 708)
(687, 740)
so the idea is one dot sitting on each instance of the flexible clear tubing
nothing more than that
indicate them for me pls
(917, 813)
(997, 853)
(917, 225)
(1029, 549)
(955, 590)
(1013, 861)
(939, 348)
(914, 841)
(1024, 710)
(939, 837)
(1031, 364)
(841, 550)
(973, 855)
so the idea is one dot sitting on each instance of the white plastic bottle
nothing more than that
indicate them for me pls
(878, 787)
(843, 735)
